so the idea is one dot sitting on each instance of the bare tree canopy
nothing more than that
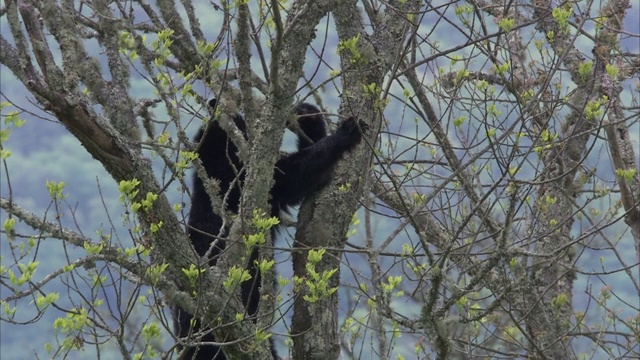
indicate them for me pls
(491, 209)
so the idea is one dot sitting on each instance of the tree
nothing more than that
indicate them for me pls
(500, 166)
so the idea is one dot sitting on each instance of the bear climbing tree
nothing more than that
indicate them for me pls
(296, 176)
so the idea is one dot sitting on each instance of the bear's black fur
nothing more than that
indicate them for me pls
(297, 175)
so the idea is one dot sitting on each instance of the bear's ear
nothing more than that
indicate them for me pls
(213, 103)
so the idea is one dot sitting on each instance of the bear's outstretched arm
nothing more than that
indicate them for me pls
(303, 173)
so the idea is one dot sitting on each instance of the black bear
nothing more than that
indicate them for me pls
(296, 175)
